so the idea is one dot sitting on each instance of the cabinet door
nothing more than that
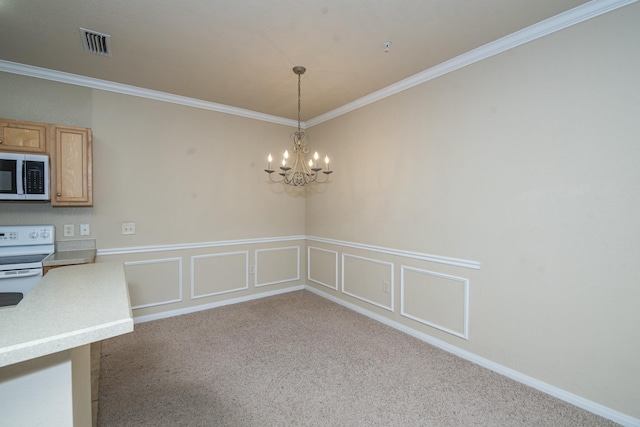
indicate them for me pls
(72, 157)
(25, 137)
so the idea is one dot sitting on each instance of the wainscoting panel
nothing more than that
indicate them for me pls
(215, 274)
(368, 280)
(154, 282)
(322, 267)
(277, 265)
(435, 299)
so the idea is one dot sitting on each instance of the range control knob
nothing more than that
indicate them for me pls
(44, 234)
(34, 234)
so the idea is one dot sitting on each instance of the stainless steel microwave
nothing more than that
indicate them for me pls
(24, 177)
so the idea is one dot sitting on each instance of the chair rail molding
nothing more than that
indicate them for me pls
(458, 262)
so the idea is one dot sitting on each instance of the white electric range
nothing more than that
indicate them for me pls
(23, 248)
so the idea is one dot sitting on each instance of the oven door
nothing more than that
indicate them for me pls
(19, 281)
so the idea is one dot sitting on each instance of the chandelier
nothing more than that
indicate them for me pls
(299, 172)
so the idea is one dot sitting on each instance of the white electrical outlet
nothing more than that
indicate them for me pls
(385, 286)
(69, 230)
(85, 230)
(128, 228)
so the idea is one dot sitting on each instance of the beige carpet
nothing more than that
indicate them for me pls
(298, 359)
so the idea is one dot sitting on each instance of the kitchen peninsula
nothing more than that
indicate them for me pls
(45, 341)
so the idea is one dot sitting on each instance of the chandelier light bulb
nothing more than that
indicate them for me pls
(326, 162)
(284, 162)
(286, 154)
(310, 163)
(269, 159)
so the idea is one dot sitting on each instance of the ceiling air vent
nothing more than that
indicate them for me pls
(95, 42)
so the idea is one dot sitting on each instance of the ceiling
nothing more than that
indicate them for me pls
(240, 52)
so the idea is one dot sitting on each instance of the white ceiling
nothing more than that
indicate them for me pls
(240, 52)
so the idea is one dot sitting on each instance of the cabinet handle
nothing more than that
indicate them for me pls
(58, 195)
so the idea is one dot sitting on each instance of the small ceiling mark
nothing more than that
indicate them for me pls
(95, 42)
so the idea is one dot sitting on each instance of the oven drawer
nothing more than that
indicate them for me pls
(19, 281)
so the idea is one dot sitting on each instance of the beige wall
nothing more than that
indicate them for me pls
(26, 98)
(528, 163)
(185, 279)
(183, 175)
(191, 180)
(525, 162)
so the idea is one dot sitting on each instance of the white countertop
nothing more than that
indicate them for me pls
(70, 306)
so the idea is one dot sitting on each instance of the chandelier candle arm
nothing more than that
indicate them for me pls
(300, 172)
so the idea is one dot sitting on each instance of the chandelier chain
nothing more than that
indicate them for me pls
(299, 102)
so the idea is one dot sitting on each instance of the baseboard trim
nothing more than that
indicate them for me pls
(586, 404)
(201, 307)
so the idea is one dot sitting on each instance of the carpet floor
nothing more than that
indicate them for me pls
(298, 359)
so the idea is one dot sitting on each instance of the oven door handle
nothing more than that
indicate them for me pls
(14, 274)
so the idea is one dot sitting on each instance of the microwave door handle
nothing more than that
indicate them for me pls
(20, 177)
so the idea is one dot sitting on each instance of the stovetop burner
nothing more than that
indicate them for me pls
(22, 259)
(22, 250)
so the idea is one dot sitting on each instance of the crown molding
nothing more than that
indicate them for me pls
(74, 79)
(566, 19)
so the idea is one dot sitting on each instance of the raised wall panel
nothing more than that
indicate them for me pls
(154, 282)
(368, 280)
(216, 274)
(435, 299)
(277, 265)
(322, 267)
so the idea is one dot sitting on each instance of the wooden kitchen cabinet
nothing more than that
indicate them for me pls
(71, 166)
(23, 137)
(70, 151)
